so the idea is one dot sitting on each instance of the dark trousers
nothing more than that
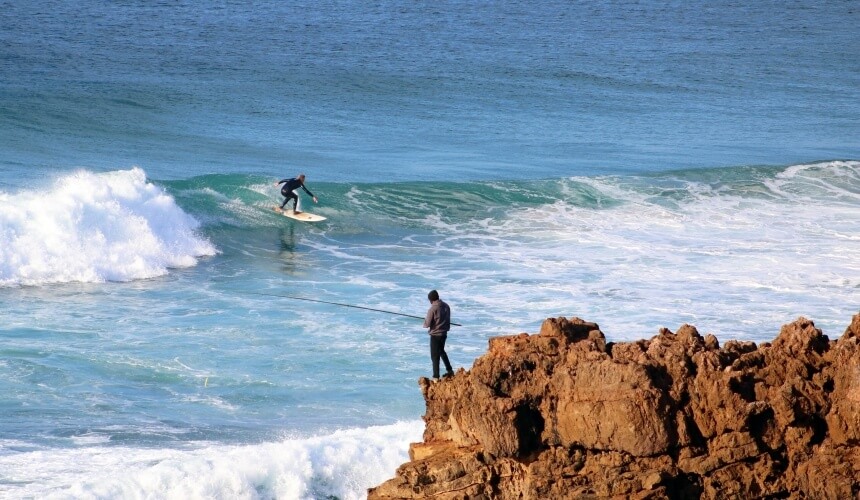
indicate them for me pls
(289, 195)
(437, 350)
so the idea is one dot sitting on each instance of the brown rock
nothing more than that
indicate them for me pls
(606, 405)
(853, 330)
(564, 414)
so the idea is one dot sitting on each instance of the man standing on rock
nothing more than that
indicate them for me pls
(438, 320)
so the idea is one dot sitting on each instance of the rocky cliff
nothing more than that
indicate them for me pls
(564, 414)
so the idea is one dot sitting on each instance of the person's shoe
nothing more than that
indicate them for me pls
(434, 379)
(449, 374)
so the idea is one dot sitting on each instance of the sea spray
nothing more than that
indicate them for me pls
(340, 465)
(89, 227)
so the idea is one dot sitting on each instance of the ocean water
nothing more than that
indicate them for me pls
(638, 165)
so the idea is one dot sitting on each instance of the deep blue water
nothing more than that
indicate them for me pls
(637, 165)
(354, 91)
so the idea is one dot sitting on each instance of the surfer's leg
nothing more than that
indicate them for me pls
(289, 195)
(298, 207)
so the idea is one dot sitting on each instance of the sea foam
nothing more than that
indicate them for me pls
(95, 227)
(339, 465)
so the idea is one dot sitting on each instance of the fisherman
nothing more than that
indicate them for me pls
(438, 321)
(289, 190)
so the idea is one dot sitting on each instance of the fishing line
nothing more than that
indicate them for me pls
(341, 304)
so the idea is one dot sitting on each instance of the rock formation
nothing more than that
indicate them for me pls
(564, 414)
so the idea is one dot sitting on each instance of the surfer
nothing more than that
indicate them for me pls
(288, 191)
(438, 320)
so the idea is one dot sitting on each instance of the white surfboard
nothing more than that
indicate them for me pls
(302, 216)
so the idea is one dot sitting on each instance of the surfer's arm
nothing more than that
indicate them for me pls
(309, 193)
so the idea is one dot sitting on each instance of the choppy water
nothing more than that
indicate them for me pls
(637, 166)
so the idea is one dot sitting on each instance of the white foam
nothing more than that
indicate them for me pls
(837, 180)
(340, 465)
(90, 227)
(708, 254)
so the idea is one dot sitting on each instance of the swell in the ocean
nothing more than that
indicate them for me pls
(754, 228)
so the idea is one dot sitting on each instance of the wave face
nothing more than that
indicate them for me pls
(783, 237)
(91, 227)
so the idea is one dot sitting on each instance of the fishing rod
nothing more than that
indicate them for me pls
(341, 304)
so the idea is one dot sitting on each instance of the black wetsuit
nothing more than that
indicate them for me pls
(291, 185)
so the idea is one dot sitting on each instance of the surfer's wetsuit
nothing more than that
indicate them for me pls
(291, 185)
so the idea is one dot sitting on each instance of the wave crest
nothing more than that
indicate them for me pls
(95, 227)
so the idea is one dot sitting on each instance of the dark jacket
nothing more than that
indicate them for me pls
(291, 185)
(438, 318)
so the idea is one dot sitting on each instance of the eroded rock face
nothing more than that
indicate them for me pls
(564, 414)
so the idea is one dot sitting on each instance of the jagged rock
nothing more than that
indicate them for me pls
(564, 414)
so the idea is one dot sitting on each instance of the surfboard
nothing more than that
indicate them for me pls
(302, 216)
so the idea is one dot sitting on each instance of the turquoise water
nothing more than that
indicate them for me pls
(637, 166)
